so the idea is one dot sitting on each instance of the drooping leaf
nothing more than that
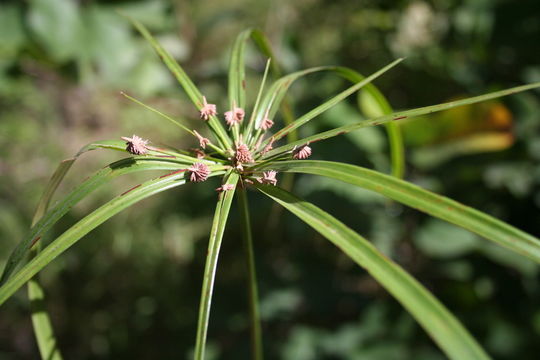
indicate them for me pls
(438, 322)
(423, 200)
(87, 224)
(102, 177)
(41, 322)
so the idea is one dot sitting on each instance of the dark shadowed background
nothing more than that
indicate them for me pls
(130, 289)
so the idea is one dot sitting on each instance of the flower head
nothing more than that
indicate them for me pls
(199, 172)
(207, 110)
(202, 140)
(267, 123)
(136, 145)
(243, 155)
(234, 116)
(269, 177)
(302, 152)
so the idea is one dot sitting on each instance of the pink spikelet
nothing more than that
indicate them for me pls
(266, 123)
(199, 172)
(234, 116)
(302, 152)
(136, 145)
(225, 187)
(268, 147)
(207, 110)
(269, 177)
(243, 155)
(202, 140)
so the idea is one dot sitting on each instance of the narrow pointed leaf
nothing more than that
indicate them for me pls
(402, 115)
(438, 322)
(374, 104)
(189, 87)
(214, 244)
(41, 321)
(423, 200)
(87, 224)
(103, 176)
(273, 98)
(333, 101)
(237, 71)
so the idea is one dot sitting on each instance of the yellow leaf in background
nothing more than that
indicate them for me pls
(457, 123)
(466, 130)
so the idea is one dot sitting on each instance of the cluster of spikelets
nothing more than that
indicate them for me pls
(240, 157)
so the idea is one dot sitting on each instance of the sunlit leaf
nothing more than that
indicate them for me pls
(423, 200)
(439, 323)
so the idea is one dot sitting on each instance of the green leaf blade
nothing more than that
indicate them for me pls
(373, 104)
(331, 102)
(414, 196)
(87, 224)
(237, 72)
(105, 175)
(440, 324)
(189, 87)
(402, 115)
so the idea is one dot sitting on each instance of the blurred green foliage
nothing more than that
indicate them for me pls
(130, 289)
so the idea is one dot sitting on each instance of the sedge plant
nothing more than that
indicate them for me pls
(245, 151)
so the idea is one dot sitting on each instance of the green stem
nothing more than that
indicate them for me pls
(216, 235)
(41, 322)
(254, 315)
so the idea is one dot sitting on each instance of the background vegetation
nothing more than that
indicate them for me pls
(131, 288)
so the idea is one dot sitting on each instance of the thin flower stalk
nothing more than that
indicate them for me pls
(249, 128)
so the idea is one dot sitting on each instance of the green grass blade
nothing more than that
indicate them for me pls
(253, 297)
(216, 235)
(330, 103)
(121, 167)
(237, 84)
(189, 87)
(51, 187)
(374, 104)
(264, 47)
(402, 115)
(438, 322)
(249, 127)
(237, 71)
(87, 224)
(273, 98)
(41, 322)
(423, 200)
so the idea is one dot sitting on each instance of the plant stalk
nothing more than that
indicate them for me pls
(253, 297)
